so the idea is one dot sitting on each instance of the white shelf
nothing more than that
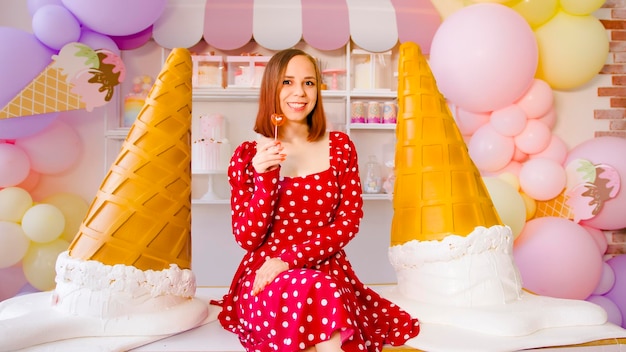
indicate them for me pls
(372, 126)
(373, 93)
(251, 94)
(376, 196)
(208, 172)
(208, 202)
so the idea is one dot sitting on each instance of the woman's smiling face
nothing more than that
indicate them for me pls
(298, 93)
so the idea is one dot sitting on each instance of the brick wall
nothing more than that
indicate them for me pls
(615, 113)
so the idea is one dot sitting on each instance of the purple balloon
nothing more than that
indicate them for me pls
(617, 293)
(98, 41)
(55, 26)
(20, 127)
(612, 311)
(22, 58)
(34, 5)
(117, 17)
(133, 41)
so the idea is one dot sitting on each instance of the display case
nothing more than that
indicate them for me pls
(245, 71)
(208, 71)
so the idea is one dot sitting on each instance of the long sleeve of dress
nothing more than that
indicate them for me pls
(330, 238)
(253, 196)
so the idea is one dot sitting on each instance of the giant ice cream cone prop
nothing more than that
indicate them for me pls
(452, 256)
(438, 189)
(141, 216)
(127, 272)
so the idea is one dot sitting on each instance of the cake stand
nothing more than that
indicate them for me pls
(334, 71)
(210, 194)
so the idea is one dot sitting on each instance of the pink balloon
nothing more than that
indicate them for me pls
(542, 178)
(468, 122)
(605, 150)
(53, 150)
(512, 168)
(490, 150)
(557, 258)
(537, 100)
(98, 41)
(484, 57)
(15, 165)
(556, 150)
(599, 237)
(519, 156)
(117, 17)
(133, 41)
(617, 293)
(607, 280)
(509, 121)
(18, 70)
(55, 26)
(31, 181)
(20, 127)
(612, 310)
(534, 138)
(549, 118)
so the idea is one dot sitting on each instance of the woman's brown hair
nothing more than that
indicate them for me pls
(269, 103)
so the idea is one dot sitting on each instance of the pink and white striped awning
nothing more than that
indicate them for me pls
(373, 25)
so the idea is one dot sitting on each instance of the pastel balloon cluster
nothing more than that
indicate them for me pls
(33, 234)
(111, 24)
(572, 44)
(51, 151)
(498, 65)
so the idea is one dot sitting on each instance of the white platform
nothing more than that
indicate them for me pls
(210, 337)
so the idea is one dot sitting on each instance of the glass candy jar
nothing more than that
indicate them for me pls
(373, 181)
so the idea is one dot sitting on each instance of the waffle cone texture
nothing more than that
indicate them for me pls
(141, 215)
(48, 92)
(438, 189)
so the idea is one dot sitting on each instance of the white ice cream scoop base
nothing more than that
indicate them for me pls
(96, 300)
(466, 291)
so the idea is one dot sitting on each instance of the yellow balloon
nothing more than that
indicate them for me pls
(531, 205)
(508, 203)
(572, 50)
(581, 7)
(74, 209)
(510, 179)
(40, 261)
(43, 223)
(14, 202)
(447, 7)
(536, 12)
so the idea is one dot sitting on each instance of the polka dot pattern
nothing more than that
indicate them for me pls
(306, 221)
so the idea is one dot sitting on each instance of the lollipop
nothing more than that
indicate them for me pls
(277, 120)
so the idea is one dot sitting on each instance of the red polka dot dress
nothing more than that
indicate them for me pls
(306, 221)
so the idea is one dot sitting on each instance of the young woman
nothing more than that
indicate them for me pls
(296, 202)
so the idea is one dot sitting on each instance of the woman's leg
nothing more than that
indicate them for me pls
(331, 345)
